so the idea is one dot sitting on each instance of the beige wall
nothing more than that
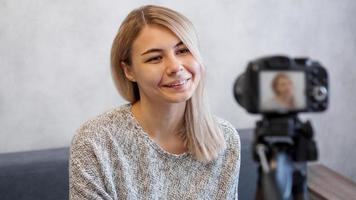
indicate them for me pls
(54, 63)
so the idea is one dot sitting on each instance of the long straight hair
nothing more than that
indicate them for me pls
(202, 135)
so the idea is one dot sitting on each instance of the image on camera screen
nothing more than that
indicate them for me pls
(282, 91)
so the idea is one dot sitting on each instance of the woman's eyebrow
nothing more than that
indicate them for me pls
(159, 50)
(151, 50)
(178, 44)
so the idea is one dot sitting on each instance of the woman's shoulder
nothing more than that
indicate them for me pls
(225, 125)
(232, 139)
(107, 122)
(230, 132)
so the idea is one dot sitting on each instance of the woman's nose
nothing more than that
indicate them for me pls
(173, 65)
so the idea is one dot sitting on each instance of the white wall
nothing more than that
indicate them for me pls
(54, 63)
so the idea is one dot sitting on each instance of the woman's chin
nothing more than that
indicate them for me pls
(178, 99)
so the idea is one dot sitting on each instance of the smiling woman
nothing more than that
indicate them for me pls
(164, 144)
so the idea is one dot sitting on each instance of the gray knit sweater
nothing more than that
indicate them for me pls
(112, 157)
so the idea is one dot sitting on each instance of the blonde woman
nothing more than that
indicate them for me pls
(164, 144)
(284, 94)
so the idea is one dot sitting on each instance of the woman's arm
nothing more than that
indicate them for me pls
(86, 180)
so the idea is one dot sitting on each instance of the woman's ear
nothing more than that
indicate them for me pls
(128, 71)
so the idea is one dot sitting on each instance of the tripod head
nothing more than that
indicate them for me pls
(286, 133)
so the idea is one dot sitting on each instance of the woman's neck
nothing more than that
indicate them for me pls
(159, 120)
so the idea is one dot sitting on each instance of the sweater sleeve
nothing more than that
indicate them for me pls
(235, 143)
(86, 179)
(238, 165)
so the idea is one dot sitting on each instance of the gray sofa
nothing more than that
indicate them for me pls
(42, 175)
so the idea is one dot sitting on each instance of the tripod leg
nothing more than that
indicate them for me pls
(259, 194)
(300, 190)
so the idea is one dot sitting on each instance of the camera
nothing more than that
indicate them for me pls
(282, 85)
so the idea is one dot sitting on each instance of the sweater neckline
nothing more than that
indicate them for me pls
(149, 140)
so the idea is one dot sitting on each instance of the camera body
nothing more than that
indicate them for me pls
(281, 85)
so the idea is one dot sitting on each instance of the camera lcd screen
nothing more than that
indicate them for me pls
(282, 91)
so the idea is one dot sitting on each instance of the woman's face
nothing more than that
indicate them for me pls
(162, 66)
(284, 87)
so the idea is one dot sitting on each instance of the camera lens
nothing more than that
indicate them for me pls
(239, 89)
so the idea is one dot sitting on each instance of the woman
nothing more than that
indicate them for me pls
(283, 89)
(164, 144)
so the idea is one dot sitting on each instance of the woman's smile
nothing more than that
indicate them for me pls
(177, 83)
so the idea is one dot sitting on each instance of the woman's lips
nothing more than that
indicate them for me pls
(177, 83)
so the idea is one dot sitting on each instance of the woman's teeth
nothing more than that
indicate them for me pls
(178, 84)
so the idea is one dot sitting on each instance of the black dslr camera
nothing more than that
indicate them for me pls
(279, 88)
(281, 85)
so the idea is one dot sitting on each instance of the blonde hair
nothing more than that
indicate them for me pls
(202, 134)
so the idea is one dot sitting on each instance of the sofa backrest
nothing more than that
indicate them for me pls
(248, 168)
(43, 174)
(34, 175)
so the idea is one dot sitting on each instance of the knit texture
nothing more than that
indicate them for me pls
(112, 157)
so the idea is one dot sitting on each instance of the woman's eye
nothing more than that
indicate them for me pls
(183, 51)
(154, 59)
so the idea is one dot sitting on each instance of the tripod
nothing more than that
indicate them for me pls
(282, 146)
